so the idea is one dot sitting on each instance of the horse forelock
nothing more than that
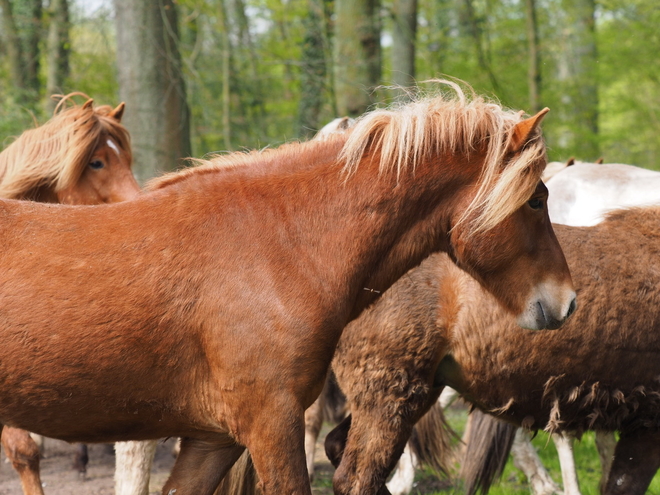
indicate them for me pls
(445, 123)
(56, 153)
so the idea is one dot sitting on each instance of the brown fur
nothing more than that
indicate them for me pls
(437, 327)
(50, 163)
(210, 308)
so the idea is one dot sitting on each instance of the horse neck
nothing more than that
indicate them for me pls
(385, 225)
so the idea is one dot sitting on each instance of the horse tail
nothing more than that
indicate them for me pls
(432, 440)
(487, 450)
(241, 479)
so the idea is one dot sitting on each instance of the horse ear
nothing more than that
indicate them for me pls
(523, 130)
(118, 112)
(88, 104)
(570, 161)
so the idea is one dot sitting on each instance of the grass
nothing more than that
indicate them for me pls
(513, 482)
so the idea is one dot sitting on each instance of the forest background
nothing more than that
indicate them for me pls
(202, 76)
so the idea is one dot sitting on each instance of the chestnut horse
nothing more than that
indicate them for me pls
(80, 156)
(209, 308)
(598, 372)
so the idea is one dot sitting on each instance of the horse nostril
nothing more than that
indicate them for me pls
(572, 307)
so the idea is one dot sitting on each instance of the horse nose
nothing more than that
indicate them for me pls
(571, 307)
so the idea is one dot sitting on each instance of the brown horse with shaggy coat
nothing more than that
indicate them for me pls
(437, 327)
(210, 307)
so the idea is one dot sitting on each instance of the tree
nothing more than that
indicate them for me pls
(57, 50)
(404, 13)
(21, 30)
(13, 44)
(151, 83)
(357, 60)
(534, 67)
(313, 66)
(577, 79)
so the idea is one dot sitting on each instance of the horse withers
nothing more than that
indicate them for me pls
(82, 155)
(209, 308)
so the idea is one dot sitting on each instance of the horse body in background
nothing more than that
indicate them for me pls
(584, 193)
(80, 156)
(580, 194)
(168, 342)
(588, 375)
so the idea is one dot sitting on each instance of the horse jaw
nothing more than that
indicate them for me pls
(548, 307)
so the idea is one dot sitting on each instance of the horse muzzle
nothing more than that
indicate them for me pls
(548, 309)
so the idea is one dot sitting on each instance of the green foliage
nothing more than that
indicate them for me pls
(485, 45)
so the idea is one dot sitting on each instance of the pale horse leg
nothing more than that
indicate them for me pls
(605, 443)
(313, 424)
(133, 467)
(564, 444)
(402, 480)
(527, 460)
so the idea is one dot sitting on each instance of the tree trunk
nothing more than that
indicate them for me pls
(474, 27)
(578, 80)
(357, 60)
(403, 42)
(57, 51)
(534, 69)
(226, 76)
(255, 97)
(27, 18)
(312, 78)
(13, 44)
(151, 83)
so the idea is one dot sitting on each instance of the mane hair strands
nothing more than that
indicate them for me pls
(404, 135)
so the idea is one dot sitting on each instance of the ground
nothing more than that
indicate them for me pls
(59, 479)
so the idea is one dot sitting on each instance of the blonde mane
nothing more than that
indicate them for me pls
(454, 122)
(407, 134)
(56, 153)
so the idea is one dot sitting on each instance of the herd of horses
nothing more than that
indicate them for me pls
(410, 252)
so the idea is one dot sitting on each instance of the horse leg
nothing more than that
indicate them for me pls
(40, 441)
(276, 443)
(564, 444)
(313, 424)
(605, 443)
(402, 480)
(133, 467)
(636, 460)
(371, 449)
(80, 460)
(23, 453)
(201, 465)
(527, 460)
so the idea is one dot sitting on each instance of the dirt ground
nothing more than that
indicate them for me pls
(59, 479)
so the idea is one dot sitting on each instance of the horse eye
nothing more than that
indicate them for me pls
(535, 204)
(96, 164)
